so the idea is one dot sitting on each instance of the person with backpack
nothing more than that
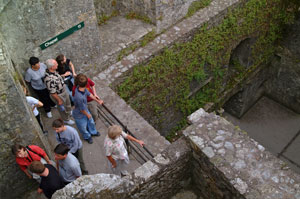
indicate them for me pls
(28, 154)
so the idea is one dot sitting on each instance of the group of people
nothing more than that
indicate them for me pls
(57, 85)
(54, 85)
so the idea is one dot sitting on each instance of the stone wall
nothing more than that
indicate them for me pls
(141, 7)
(284, 86)
(250, 92)
(161, 177)
(104, 7)
(17, 124)
(209, 181)
(162, 13)
(279, 80)
(144, 8)
(169, 12)
(236, 160)
(27, 24)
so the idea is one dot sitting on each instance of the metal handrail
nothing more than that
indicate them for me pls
(131, 145)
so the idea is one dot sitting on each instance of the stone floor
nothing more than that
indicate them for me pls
(275, 127)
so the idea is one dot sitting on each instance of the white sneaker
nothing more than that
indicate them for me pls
(70, 122)
(49, 115)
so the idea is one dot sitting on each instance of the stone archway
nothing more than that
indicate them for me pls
(241, 56)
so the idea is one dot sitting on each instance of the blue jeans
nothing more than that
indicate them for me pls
(86, 127)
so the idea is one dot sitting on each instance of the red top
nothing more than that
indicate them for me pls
(25, 162)
(89, 84)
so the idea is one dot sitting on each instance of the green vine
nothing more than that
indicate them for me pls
(165, 82)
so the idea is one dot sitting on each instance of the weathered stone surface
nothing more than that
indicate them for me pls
(252, 90)
(17, 124)
(116, 35)
(284, 86)
(169, 12)
(146, 170)
(27, 24)
(96, 186)
(241, 168)
(141, 7)
(105, 7)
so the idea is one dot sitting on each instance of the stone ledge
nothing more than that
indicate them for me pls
(252, 170)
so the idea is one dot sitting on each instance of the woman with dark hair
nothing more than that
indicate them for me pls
(67, 71)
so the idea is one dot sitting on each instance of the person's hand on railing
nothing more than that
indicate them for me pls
(141, 143)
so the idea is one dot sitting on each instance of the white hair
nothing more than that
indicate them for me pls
(50, 63)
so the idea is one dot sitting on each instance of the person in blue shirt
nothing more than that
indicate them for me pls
(67, 164)
(35, 78)
(69, 136)
(83, 118)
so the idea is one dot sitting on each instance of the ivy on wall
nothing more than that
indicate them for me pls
(166, 81)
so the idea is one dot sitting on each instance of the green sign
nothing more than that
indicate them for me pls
(61, 36)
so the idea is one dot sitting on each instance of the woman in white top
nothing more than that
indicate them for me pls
(115, 149)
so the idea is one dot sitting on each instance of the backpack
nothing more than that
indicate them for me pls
(29, 149)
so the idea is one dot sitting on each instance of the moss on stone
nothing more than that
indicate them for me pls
(104, 18)
(3, 97)
(197, 5)
(133, 15)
